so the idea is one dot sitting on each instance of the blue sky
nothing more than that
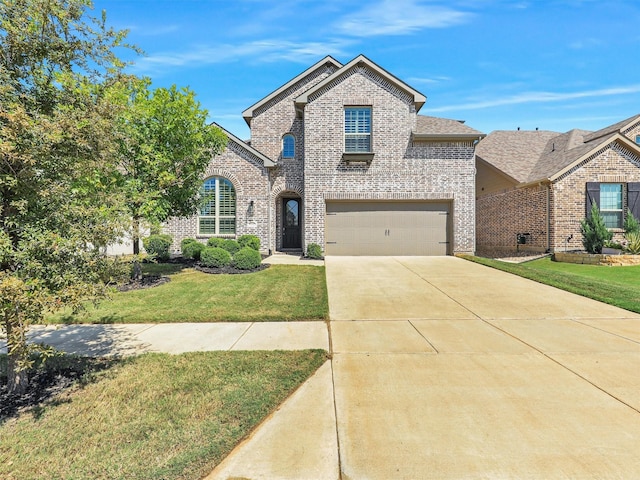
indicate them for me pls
(555, 65)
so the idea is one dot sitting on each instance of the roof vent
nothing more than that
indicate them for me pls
(553, 147)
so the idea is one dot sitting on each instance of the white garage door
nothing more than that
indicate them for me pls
(387, 228)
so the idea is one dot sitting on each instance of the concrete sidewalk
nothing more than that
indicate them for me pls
(130, 339)
(447, 369)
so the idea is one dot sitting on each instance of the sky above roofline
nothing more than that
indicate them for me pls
(498, 65)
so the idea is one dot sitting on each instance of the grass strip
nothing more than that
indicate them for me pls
(153, 416)
(279, 293)
(594, 284)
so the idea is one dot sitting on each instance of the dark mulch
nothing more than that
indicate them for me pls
(47, 382)
(228, 270)
(147, 281)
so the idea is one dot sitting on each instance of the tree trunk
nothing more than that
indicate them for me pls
(17, 379)
(137, 268)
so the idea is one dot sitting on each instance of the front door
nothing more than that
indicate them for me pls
(291, 237)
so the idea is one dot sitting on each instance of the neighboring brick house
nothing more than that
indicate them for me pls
(338, 156)
(539, 185)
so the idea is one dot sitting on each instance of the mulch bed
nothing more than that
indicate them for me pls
(228, 270)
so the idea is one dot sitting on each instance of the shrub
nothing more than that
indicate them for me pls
(230, 246)
(215, 257)
(631, 224)
(314, 251)
(193, 250)
(633, 242)
(186, 241)
(215, 242)
(247, 259)
(158, 246)
(594, 232)
(250, 241)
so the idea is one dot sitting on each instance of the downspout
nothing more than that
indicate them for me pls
(269, 207)
(549, 217)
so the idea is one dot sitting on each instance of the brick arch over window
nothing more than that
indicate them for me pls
(221, 172)
(275, 193)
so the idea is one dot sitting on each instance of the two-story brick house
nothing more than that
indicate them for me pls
(339, 156)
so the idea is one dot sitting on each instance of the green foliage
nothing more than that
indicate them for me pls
(251, 241)
(215, 242)
(594, 232)
(247, 259)
(186, 241)
(633, 242)
(158, 246)
(314, 251)
(230, 246)
(631, 223)
(215, 257)
(193, 250)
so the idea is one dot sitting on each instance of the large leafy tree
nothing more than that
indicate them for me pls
(165, 146)
(58, 201)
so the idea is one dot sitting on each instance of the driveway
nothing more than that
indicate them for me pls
(447, 369)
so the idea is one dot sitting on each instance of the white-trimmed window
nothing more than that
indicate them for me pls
(357, 129)
(611, 204)
(218, 213)
(638, 139)
(288, 146)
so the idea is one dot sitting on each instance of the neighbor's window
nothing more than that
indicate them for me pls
(218, 213)
(357, 129)
(288, 146)
(638, 139)
(611, 202)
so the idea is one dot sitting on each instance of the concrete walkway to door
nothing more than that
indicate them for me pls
(447, 369)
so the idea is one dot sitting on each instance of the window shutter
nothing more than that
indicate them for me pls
(633, 198)
(593, 196)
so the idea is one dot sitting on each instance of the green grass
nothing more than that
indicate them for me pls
(618, 286)
(279, 293)
(153, 416)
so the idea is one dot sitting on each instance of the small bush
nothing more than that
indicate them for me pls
(633, 242)
(215, 257)
(247, 259)
(594, 232)
(250, 241)
(230, 246)
(186, 241)
(193, 250)
(631, 224)
(215, 242)
(314, 251)
(158, 246)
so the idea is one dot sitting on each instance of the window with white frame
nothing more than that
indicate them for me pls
(288, 146)
(638, 139)
(611, 204)
(357, 129)
(218, 212)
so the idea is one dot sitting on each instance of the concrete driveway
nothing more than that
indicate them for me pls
(447, 369)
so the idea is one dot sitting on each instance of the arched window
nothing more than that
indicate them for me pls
(288, 146)
(218, 213)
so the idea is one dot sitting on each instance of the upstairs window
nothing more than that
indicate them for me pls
(288, 146)
(638, 139)
(357, 129)
(218, 213)
(611, 203)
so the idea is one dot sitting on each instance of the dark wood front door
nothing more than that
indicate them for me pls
(291, 237)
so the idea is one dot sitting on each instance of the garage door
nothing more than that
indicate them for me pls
(387, 228)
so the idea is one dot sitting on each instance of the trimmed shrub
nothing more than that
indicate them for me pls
(631, 224)
(215, 242)
(158, 246)
(250, 241)
(186, 241)
(215, 257)
(314, 251)
(594, 232)
(193, 250)
(230, 246)
(247, 259)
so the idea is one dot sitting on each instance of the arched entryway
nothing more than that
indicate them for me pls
(291, 224)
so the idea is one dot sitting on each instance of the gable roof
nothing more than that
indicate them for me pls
(418, 98)
(536, 156)
(436, 128)
(326, 61)
(266, 161)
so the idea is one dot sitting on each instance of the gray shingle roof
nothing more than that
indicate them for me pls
(616, 127)
(443, 126)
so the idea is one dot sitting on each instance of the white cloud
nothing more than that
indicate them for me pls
(260, 51)
(399, 17)
(427, 81)
(540, 97)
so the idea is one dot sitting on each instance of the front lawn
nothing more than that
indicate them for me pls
(153, 416)
(279, 293)
(618, 286)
